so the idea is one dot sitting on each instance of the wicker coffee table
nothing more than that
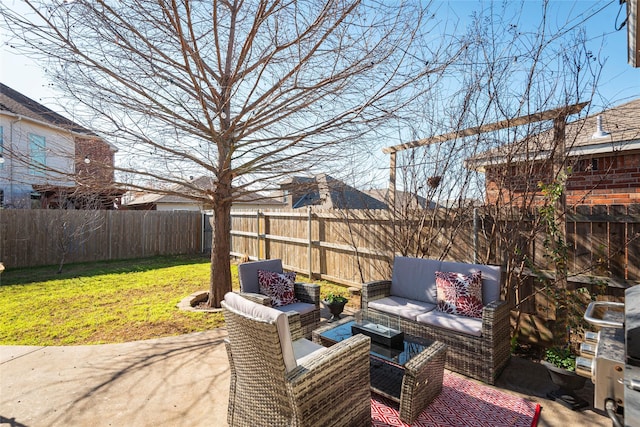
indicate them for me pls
(410, 375)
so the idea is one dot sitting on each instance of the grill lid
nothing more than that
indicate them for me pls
(632, 325)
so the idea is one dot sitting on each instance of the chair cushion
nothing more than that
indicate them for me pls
(491, 277)
(300, 307)
(463, 324)
(459, 293)
(413, 278)
(278, 286)
(248, 273)
(252, 310)
(304, 349)
(402, 307)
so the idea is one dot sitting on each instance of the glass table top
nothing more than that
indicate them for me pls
(411, 346)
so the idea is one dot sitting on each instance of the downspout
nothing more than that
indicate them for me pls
(11, 123)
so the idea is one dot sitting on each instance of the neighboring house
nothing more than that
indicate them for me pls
(326, 192)
(603, 155)
(404, 200)
(176, 198)
(48, 161)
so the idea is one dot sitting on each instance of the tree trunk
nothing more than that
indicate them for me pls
(220, 280)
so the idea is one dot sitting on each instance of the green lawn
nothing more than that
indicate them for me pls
(106, 302)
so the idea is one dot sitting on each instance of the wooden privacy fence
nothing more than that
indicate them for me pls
(320, 244)
(41, 237)
(349, 247)
(352, 247)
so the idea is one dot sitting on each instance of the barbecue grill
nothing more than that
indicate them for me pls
(611, 357)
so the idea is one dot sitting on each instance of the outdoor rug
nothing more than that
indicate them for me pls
(462, 403)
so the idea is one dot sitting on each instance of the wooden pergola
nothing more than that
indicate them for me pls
(558, 115)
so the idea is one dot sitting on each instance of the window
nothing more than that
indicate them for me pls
(588, 165)
(37, 149)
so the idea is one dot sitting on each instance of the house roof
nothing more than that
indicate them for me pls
(21, 105)
(330, 193)
(622, 133)
(13, 102)
(403, 198)
(195, 187)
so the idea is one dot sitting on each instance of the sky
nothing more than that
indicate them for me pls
(619, 83)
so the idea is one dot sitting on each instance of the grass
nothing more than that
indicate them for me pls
(107, 302)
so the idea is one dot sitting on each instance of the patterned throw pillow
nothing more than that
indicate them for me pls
(278, 286)
(460, 294)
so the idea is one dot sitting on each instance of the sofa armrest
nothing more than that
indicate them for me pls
(308, 292)
(295, 326)
(375, 290)
(495, 317)
(422, 380)
(435, 352)
(257, 298)
(337, 378)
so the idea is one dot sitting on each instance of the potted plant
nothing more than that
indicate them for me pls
(335, 303)
(561, 365)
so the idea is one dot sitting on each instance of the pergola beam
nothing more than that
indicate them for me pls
(503, 124)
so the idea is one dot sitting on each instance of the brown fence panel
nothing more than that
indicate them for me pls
(356, 246)
(617, 241)
(42, 237)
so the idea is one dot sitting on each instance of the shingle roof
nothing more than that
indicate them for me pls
(201, 183)
(403, 198)
(21, 105)
(621, 122)
(331, 193)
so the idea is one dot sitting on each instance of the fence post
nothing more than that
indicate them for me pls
(203, 217)
(309, 235)
(258, 234)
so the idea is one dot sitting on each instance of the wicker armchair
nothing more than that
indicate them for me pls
(307, 293)
(280, 379)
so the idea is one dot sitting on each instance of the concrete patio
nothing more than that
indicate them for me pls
(176, 381)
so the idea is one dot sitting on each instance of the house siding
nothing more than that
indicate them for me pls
(16, 177)
(101, 157)
(603, 180)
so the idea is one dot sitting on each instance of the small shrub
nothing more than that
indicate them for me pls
(334, 297)
(561, 357)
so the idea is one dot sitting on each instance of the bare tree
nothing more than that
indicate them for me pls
(505, 72)
(509, 72)
(245, 92)
(72, 229)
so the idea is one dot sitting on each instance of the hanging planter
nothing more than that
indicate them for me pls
(433, 181)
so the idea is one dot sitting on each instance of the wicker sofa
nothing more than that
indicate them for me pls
(477, 347)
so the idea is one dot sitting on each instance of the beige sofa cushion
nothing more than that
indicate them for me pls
(454, 322)
(414, 278)
(403, 307)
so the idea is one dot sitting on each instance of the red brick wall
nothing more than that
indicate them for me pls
(99, 171)
(606, 180)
